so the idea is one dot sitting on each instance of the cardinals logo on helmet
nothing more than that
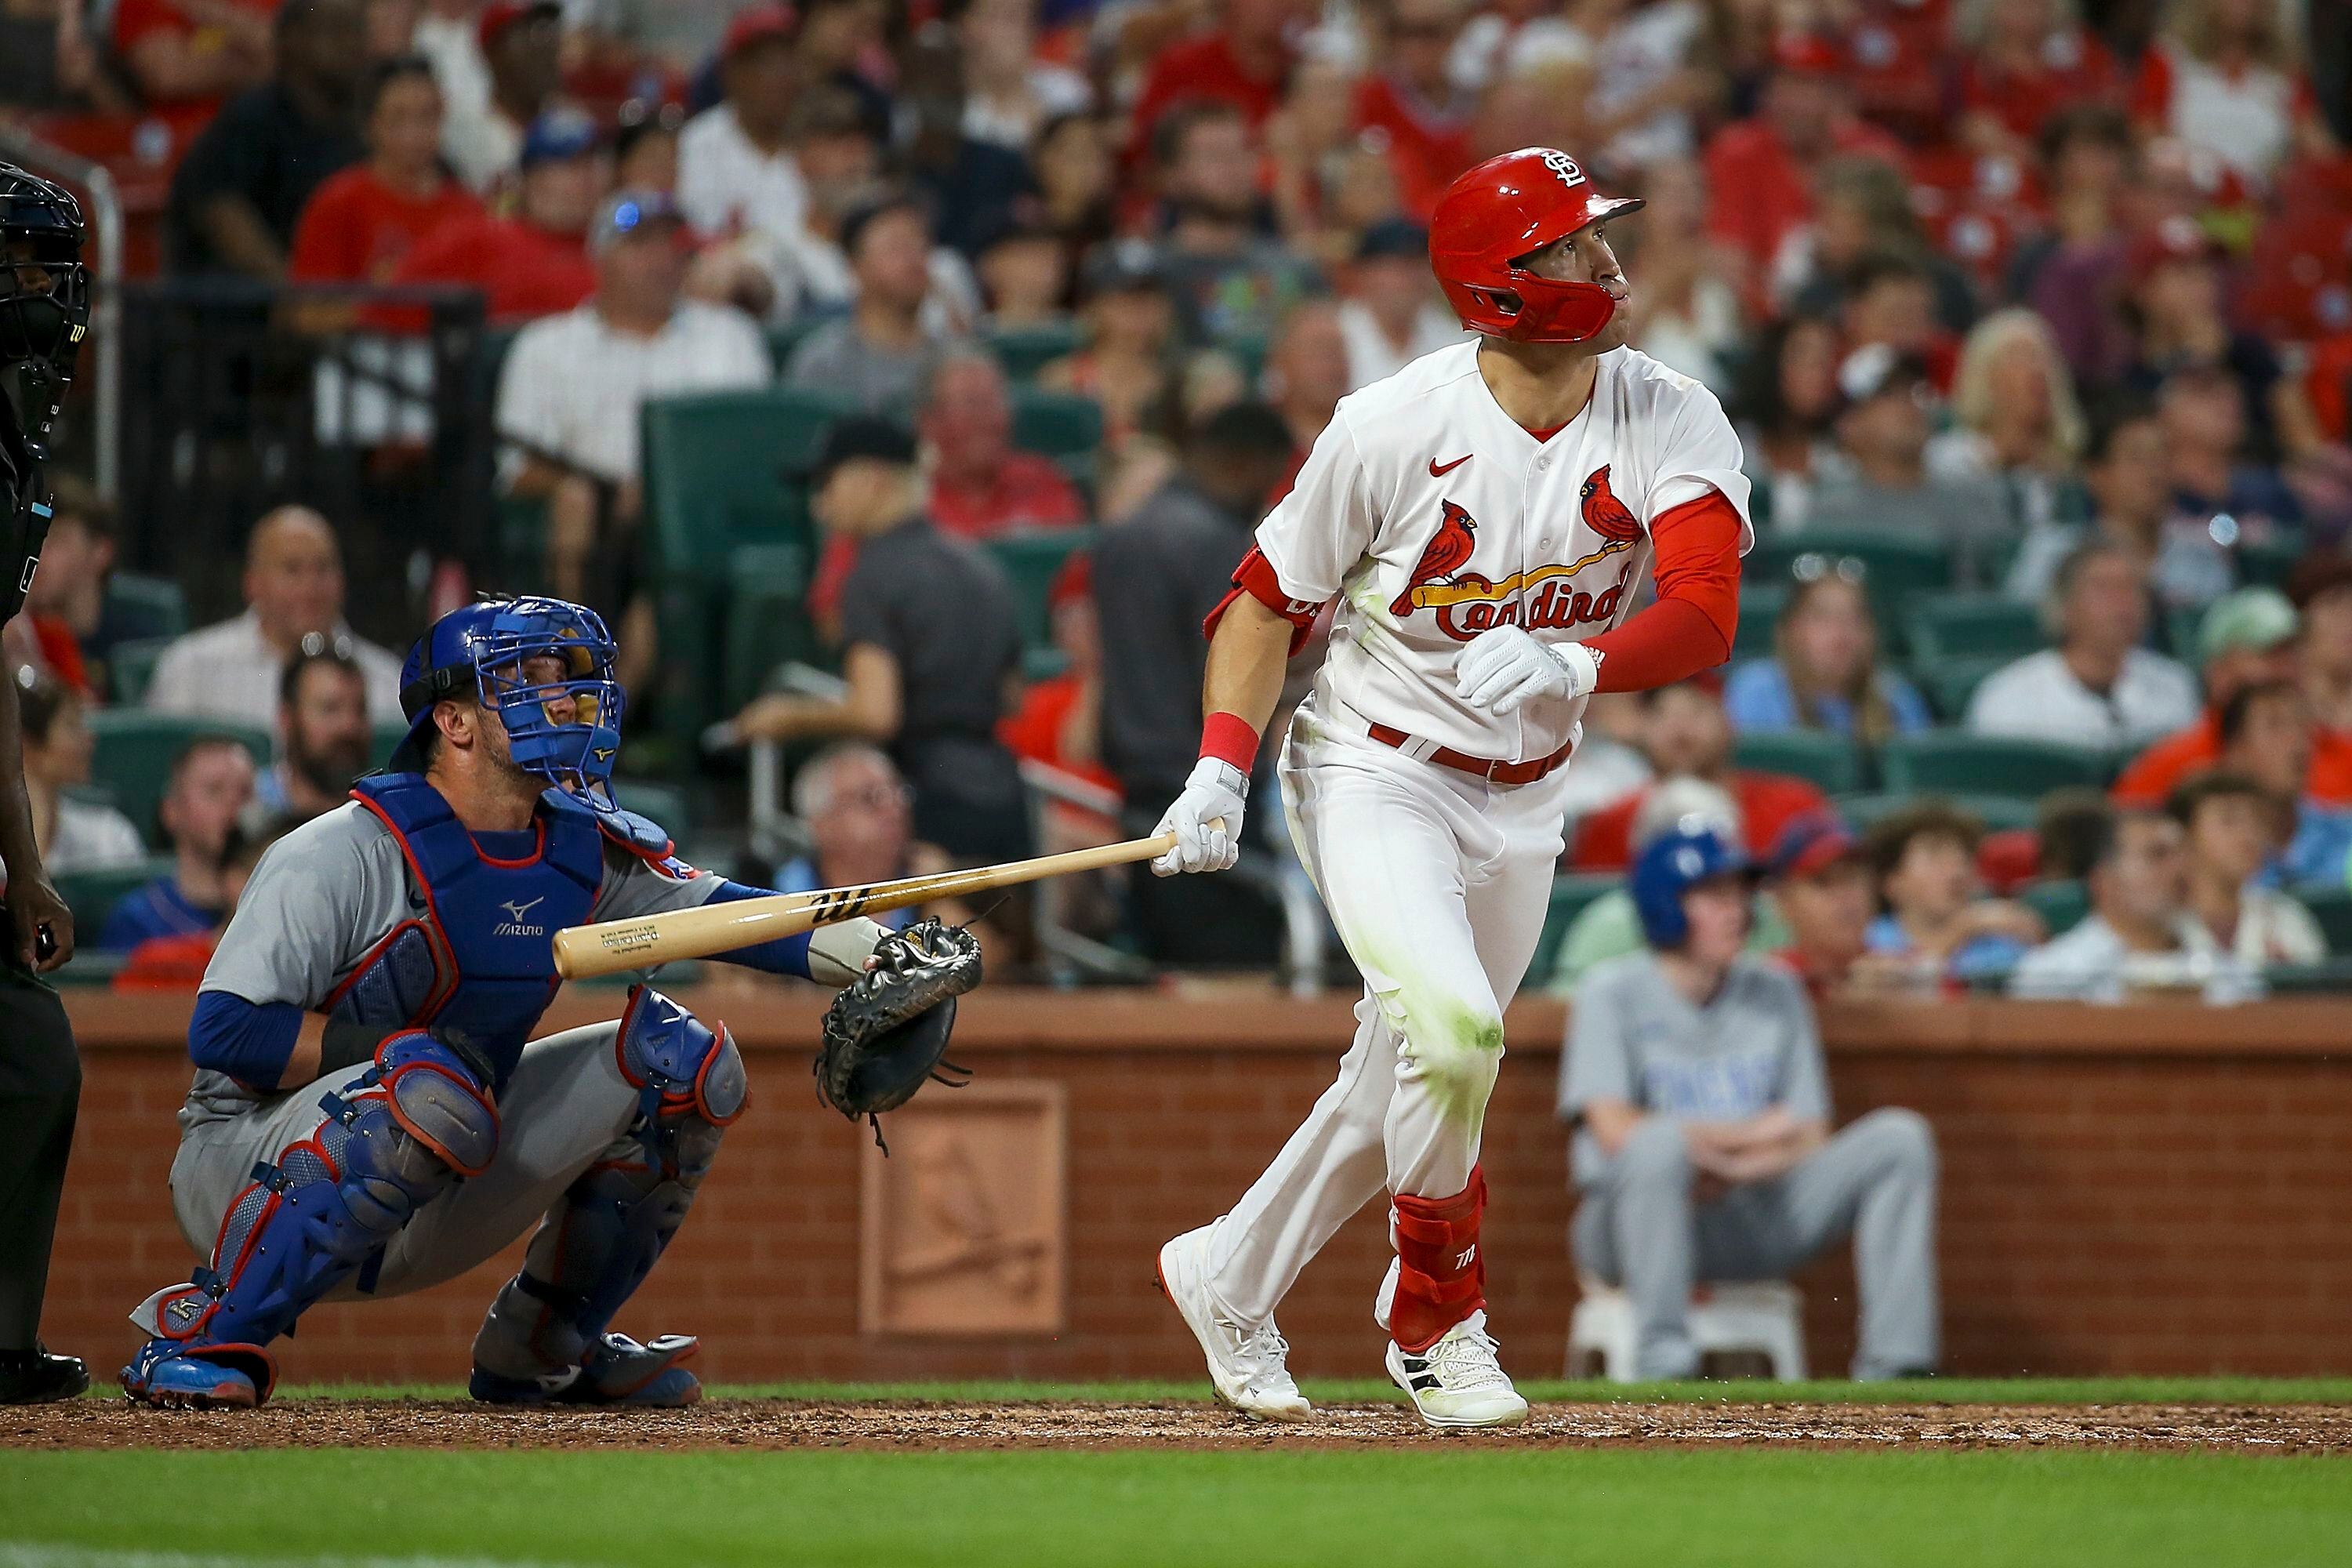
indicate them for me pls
(1439, 583)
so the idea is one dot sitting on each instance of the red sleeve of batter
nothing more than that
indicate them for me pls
(1255, 576)
(1690, 628)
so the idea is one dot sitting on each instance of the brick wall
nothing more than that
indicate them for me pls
(2156, 1190)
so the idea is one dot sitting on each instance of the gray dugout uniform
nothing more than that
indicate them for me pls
(319, 902)
(1634, 1036)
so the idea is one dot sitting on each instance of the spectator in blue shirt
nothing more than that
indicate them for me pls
(1825, 672)
(1935, 916)
(210, 780)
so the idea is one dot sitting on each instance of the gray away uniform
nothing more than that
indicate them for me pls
(1635, 1037)
(318, 903)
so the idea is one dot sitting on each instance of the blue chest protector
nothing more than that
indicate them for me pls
(478, 956)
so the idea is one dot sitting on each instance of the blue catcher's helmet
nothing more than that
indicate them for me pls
(1675, 862)
(481, 650)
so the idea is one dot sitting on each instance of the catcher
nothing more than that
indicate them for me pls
(367, 1119)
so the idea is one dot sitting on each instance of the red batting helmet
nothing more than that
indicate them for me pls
(1496, 214)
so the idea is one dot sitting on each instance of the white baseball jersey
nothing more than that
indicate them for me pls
(1432, 516)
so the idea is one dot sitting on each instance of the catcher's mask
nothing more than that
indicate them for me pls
(544, 666)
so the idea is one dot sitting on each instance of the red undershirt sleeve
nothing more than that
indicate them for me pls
(1256, 578)
(1689, 629)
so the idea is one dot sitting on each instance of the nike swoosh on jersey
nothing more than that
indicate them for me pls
(1438, 470)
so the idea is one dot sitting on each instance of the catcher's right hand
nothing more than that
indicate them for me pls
(887, 1032)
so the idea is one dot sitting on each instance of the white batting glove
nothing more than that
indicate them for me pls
(1206, 820)
(1507, 666)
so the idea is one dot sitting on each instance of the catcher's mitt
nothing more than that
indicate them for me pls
(887, 1033)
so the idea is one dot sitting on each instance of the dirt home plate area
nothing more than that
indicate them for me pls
(761, 1423)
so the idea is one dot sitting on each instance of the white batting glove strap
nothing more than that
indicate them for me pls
(1215, 794)
(1505, 667)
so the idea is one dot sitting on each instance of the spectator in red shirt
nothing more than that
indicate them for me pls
(1686, 734)
(979, 486)
(360, 222)
(2321, 589)
(1761, 169)
(2225, 77)
(1412, 99)
(1059, 721)
(1244, 61)
(536, 262)
(2027, 60)
(2247, 638)
(188, 57)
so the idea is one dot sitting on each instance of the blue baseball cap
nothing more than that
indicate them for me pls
(559, 133)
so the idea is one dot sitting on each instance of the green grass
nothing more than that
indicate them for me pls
(1334, 1391)
(1465, 1505)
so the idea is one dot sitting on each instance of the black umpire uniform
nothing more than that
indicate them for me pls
(44, 312)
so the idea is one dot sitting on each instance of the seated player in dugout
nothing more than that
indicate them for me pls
(367, 1119)
(1694, 1081)
(1483, 518)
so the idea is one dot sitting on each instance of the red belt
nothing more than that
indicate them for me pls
(1462, 762)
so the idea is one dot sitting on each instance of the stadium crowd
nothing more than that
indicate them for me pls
(2034, 317)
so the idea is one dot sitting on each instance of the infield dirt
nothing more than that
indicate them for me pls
(734, 1423)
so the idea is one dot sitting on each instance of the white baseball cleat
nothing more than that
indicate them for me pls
(1245, 1364)
(1457, 1381)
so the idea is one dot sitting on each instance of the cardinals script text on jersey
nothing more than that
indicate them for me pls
(1431, 516)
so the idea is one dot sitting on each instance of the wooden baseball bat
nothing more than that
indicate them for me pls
(610, 946)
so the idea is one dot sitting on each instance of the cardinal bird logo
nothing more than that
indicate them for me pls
(1443, 555)
(1604, 513)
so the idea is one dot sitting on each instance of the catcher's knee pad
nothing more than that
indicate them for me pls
(677, 1064)
(612, 1225)
(414, 1122)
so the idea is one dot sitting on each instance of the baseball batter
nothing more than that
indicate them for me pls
(366, 1117)
(1482, 520)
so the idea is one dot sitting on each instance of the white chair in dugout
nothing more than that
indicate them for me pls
(1765, 1316)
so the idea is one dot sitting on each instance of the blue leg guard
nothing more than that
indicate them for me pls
(545, 1337)
(415, 1123)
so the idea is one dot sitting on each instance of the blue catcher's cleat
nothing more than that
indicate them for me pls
(167, 1375)
(618, 1370)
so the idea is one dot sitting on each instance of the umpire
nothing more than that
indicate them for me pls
(43, 314)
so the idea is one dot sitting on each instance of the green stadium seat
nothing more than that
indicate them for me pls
(2332, 907)
(1953, 761)
(667, 803)
(2062, 902)
(134, 748)
(1044, 664)
(1999, 813)
(1025, 351)
(717, 507)
(1895, 571)
(87, 969)
(2331, 978)
(2267, 563)
(1949, 683)
(1031, 561)
(1067, 427)
(1056, 423)
(154, 606)
(1972, 626)
(1760, 605)
(91, 895)
(131, 669)
(1833, 761)
(767, 624)
(1570, 895)
(519, 546)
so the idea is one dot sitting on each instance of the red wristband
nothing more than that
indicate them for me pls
(1229, 738)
